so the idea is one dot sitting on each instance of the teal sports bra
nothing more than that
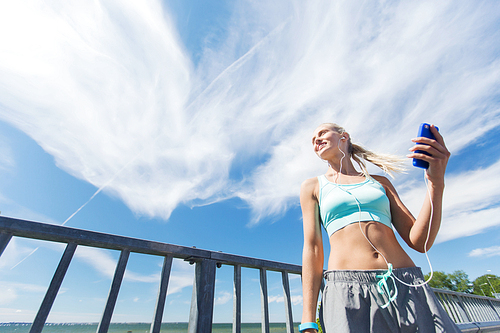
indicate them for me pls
(338, 207)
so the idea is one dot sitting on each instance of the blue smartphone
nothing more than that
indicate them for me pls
(423, 131)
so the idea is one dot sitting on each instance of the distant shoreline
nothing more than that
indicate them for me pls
(133, 323)
(168, 327)
(129, 323)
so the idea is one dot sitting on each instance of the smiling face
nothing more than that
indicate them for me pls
(326, 137)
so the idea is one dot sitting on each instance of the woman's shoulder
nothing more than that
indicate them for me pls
(381, 179)
(311, 182)
(384, 181)
(309, 186)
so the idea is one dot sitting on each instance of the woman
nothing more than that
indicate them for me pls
(371, 283)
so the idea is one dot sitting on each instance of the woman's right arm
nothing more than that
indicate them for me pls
(312, 254)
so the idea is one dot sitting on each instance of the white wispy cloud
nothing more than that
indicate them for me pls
(296, 299)
(485, 252)
(16, 251)
(99, 259)
(14, 209)
(7, 162)
(9, 291)
(107, 84)
(277, 299)
(16, 315)
(223, 297)
(182, 276)
(8, 294)
(95, 84)
(386, 73)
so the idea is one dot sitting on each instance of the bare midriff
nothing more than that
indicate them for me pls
(350, 250)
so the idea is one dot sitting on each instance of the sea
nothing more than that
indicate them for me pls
(139, 328)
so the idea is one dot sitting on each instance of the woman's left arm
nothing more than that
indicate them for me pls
(431, 210)
(416, 231)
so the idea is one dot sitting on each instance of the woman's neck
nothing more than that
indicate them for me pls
(345, 168)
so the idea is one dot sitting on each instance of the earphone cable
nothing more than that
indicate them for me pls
(373, 246)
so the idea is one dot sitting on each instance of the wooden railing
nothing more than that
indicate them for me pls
(202, 302)
(471, 312)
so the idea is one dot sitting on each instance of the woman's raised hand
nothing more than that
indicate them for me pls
(438, 158)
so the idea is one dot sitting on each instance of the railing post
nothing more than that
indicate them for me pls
(494, 309)
(461, 306)
(320, 311)
(451, 307)
(264, 300)
(53, 289)
(202, 300)
(288, 302)
(113, 292)
(162, 295)
(4, 240)
(237, 300)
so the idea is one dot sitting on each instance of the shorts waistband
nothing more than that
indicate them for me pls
(410, 274)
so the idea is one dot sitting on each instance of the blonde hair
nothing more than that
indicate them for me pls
(390, 164)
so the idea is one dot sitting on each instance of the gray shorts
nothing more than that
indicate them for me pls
(351, 302)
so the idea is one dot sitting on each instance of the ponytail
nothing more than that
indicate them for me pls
(387, 162)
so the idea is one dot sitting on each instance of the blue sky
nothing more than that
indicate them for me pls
(193, 120)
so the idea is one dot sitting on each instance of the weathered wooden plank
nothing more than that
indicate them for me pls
(288, 302)
(248, 262)
(53, 289)
(63, 234)
(202, 301)
(5, 238)
(113, 292)
(162, 295)
(264, 300)
(237, 300)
